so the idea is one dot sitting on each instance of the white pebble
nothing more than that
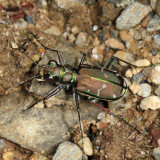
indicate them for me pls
(88, 148)
(141, 62)
(101, 116)
(14, 45)
(75, 29)
(151, 102)
(145, 90)
(155, 75)
(95, 27)
(81, 39)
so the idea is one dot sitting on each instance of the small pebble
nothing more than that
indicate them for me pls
(155, 75)
(75, 29)
(101, 116)
(156, 153)
(154, 24)
(138, 77)
(88, 148)
(81, 39)
(37, 156)
(132, 16)
(96, 42)
(71, 37)
(126, 56)
(114, 43)
(157, 91)
(68, 151)
(151, 102)
(153, 3)
(8, 156)
(134, 88)
(14, 45)
(126, 36)
(2, 144)
(145, 90)
(53, 30)
(95, 28)
(157, 39)
(141, 62)
(95, 56)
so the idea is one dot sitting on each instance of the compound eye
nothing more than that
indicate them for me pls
(52, 64)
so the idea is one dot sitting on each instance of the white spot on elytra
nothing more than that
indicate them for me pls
(114, 96)
(99, 90)
(88, 90)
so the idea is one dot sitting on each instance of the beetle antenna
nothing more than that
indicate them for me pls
(120, 118)
(46, 48)
(17, 84)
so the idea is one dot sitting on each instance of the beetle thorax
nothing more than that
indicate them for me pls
(61, 74)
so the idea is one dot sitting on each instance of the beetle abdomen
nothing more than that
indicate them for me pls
(106, 88)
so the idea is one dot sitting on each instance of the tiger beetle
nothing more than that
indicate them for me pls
(96, 83)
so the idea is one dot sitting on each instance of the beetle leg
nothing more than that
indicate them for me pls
(108, 63)
(120, 118)
(17, 84)
(48, 95)
(82, 60)
(77, 101)
(53, 91)
(60, 58)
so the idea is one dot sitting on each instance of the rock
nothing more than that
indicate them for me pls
(154, 76)
(157, 91)
(68, 151)
(157, 39)
(125, 36)
(140, 63)
(110, 12)
(71, 37)
(129, 73)
(101, 116)
(95, 28)
(151, 102)
(53, 30)
(114, 43)
(153, 3)
(114, 33)
(138, 77)
(125, 56)
(81, 39)
(124, 3)
(157, 7)
(37, 156)
(88, 148)
(2, 144)
(14, 45)
(154, 24)
(132, 16)
(75, 29)
(134, 88)
(156, 153)
(8, 156)
(95, 54)
(69, 3)
(145, 90)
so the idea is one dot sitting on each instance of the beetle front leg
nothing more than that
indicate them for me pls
(48, 95)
